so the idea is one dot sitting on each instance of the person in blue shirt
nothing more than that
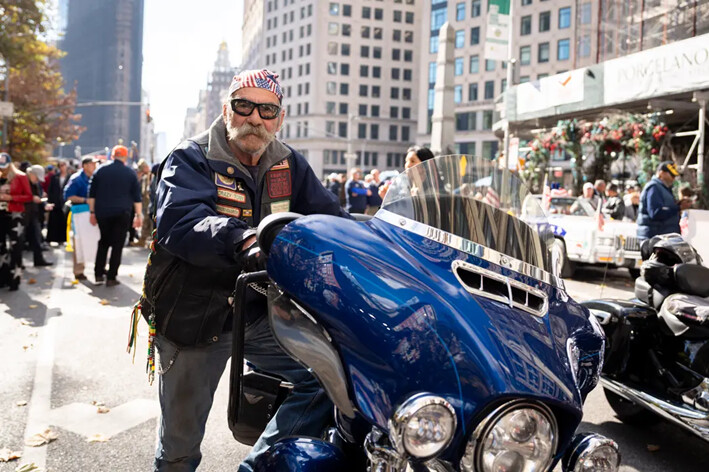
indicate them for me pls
(84, 235)
(659, 212)
(114, 194)
(356, 192)
(212, 192)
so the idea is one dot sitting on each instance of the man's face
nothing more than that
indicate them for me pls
(588, 192)
(612, 193)
(251, 134)
(33, 178)
(62, 167)
(601, 187)
(667, 178)
(89, 168)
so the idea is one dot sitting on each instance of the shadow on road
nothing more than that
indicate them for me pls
(21, 306)
(120, 295)
(666, 446)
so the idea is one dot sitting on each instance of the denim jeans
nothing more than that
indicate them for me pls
(189, 377)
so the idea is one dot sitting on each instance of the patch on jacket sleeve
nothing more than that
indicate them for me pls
(231, 195)
(224, 181)
(279, 183)
(228, 211)
(280, 207)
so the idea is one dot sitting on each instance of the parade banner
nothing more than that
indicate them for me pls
(497, 32)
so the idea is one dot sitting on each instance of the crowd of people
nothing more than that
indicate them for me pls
(41, 206)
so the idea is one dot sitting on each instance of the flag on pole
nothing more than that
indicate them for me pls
(546, 194)
(492, 198)
(497, 32)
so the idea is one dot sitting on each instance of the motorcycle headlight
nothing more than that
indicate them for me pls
(517, 437)
(591, 453)
(423, 426)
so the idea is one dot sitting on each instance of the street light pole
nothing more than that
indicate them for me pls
(510, 78)
(350, 156)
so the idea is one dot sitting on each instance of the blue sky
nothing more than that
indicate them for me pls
(180, 43)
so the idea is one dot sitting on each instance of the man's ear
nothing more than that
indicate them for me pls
(281, 119)
(224, 113)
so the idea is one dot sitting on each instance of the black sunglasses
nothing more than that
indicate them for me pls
(267, 111)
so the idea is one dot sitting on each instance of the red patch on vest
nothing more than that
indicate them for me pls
(279, 184)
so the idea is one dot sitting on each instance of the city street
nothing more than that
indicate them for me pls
(65, 368)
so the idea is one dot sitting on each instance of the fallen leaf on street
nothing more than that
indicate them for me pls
(6, 455)
(32, 281)
(33, 306)
(21, 403)
(130, 275)
(32, 334)
(97, 403)
(27, 346)
(97, 438)
(103, 409)
(40, 439)
(75, 282)
(24, 322)
(104, 302)
(31, 467)
(653, 447)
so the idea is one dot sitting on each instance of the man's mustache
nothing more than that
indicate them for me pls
(247, 129)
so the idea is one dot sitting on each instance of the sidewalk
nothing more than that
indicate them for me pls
(65, 351)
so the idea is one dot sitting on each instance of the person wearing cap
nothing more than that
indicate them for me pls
(15, 192)
(213, 191)
(34, 215)
(85, 236)
(114, 193)
(658, 212)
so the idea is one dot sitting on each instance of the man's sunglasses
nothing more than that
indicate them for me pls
(267, 111)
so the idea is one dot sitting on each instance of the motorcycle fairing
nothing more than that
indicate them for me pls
(403, 323)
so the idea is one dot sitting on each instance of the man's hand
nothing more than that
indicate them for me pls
(92, 219)
(5, 197)
(36, 199)
(138, 221)
(685, 204)
(248, 243)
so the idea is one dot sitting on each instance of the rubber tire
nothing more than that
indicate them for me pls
(630, 413)
(567, 267)
(634, 273)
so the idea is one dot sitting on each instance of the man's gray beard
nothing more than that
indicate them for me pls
(234, 134)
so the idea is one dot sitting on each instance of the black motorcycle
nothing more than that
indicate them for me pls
(657, 350)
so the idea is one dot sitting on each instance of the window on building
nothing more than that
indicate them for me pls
(393, 112)
(331, 68)
(584, 46)
(378, 14)
(363, 90)
(565, 18)
(377, 33)
(409, 17)
(406, 113)
(330, 108)
(377, 52)
(405, 134)
(344, 89)
(394, 93)
(433, 45)
(342, 129)
(562, 50)
(489, 90)
(395, 73)
(331, 88)
(474, 64)
(396, 35)
(431, 98)
(503, 85)
(460, 11)
(487, 120)
(375, 111)
(525, 25)
(490, 149)
(473, 92)
(364, 70)
(330, 128)
(366, 12)
(460, 38)
(525, 55)
(365, 32)
(489, 65)
(585, 13)
(376, 72)
(344, 108)
(475, 8)
(526, 2)
(346, 10)
(346, 30)
(393, 133)
(432, 68)
(543, 52)
(458, 66)
(398, 16)
(364, 51)
(474, 35)
(344, 49)
(458, 94)
(542, 76)
(523, 79)
(408, 36)
(408, 75)
(374, 131)
(408, 55)
(362, 109)
(396, 54)
(333, 28)
(376, 91)
(361, 131)
(544, 21)
(466, 121)
(438, 17)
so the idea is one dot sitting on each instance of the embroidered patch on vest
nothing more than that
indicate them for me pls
(280, 207)
(228, 211)
(248, 213)
(231, 195)
(224, 181)
(281, 165)
(278, 183)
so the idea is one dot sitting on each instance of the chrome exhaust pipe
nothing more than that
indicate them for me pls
(694, 421)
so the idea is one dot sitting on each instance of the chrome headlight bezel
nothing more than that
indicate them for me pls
(407, 411)
(472, 459)
(584, 447)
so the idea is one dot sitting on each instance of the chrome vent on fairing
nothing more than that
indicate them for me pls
(489, 284)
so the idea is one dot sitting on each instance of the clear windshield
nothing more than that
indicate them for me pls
(471, 198)
(557, 206)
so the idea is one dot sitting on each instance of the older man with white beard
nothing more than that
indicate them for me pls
(213, 191)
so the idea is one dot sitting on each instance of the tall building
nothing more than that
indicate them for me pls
(104, 46)
(196, 117)
(349, 73)
(219, 82)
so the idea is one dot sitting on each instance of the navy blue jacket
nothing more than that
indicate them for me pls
(356, 195)
(658, 213)
(193, 271)
(115, 188)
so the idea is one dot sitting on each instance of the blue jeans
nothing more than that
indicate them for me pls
(186, 385)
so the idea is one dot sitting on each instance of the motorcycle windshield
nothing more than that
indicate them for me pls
(468, 202)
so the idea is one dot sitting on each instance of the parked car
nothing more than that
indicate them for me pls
(578, 239)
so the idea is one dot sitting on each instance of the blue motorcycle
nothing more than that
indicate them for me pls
(439, 328)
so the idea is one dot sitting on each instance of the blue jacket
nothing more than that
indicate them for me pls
(207, 205)
(658, 213)
(356, 196)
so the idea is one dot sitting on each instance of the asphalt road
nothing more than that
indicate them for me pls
(63, 351)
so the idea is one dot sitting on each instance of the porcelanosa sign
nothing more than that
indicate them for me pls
(678, 67)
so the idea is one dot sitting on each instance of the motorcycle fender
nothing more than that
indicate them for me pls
(302, 455)
(625, 322)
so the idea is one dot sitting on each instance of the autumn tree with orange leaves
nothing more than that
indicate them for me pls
(44, 111)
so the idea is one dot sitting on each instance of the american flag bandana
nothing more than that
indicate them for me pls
(263, 78)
